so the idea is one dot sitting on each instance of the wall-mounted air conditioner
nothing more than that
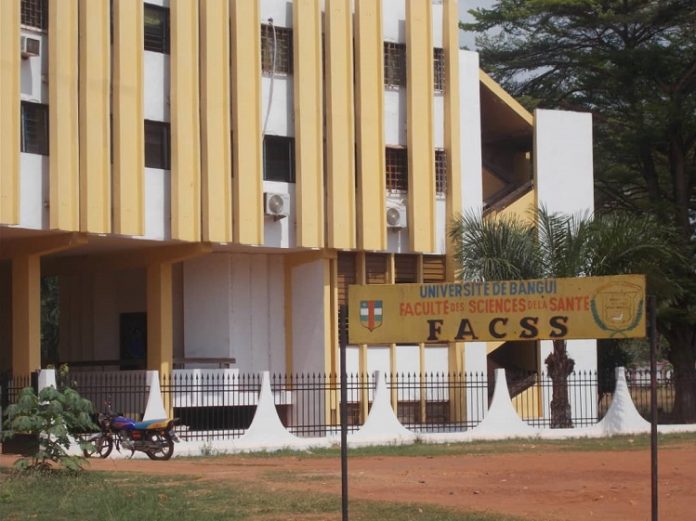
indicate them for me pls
(276, 205)
(30, 47)
(397, 217)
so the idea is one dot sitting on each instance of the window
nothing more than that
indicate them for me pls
(157, 147)
(405, 268)
(397, 168)
(439, 70)
(279, 159)
(156, 29)
(34, 138)
(347, 268)
(394, 64)
(35, 13)
(283, 45)
(376, 268)
(434, 268)
(440, 171)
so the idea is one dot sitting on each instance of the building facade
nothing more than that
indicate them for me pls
(202, 179)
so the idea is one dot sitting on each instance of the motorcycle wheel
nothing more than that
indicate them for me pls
(103, 445)
(166, 449)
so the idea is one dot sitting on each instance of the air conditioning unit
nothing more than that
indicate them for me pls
(397, 217)
(276, 205)
(30, 47)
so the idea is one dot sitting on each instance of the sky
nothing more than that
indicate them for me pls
(467, 39)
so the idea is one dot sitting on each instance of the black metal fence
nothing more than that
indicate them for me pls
(308, 404)
(211, 403)
(532, 393)
(10, 386)
(125, 391)
(639, 386)
(221, 403)
(439, 402)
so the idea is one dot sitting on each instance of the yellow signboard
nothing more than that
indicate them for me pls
(585, 307)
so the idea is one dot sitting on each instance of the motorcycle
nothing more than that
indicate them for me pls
(153, 437)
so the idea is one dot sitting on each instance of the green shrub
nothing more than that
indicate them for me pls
(51, 416)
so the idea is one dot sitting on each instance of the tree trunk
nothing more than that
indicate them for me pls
(682, 355)
(559, 367)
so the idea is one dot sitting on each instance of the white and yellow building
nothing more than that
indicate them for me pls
(216, 172)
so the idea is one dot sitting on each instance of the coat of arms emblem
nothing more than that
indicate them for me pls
(618, 308)
(371, 314)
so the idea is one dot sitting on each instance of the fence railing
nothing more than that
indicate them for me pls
(308, 404)
(638, 381)
(533, 398)
(221, 403)
(439, 402)
(211, 403)
(125, 391)
(10, 387)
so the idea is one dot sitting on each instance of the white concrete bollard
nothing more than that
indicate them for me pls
(381, 426)
(502, 420)
(154, 410)
(47, 378)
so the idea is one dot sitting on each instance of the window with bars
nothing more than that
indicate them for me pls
(156, 28)
(405, 269)
(433, 269)
(157, 145)
(34, 131)
(283, 47)
(440, 171)
(279, 159)
(346, 275)
(396, 168)
(376, 268)
(439, 70)
(35, 13)
(394, 64)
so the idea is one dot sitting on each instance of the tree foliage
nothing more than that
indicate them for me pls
(52, 416)
(632, 63)
(556, 245)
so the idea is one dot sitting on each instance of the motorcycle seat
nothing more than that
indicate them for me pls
(160, 423)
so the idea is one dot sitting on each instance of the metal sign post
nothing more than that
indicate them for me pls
(653, 403)
(343, 342)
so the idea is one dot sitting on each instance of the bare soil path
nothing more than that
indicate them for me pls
(548, 485)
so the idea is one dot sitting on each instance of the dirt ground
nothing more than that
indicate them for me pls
(548, 485)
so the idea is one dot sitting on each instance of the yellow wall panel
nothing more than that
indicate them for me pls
(340, 130)
(63, 117)
(159, 317)
(522, 208)
(95, 108)
(421, 152)
(26, 314)
(128, 123)
(369, 121)
(9, 111)
(185, 122)
(216, 167)
(450, 40)
(307, 82)
(246, 122)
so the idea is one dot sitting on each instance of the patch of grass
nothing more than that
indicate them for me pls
(60, 496)
(615, 443)
(280, 477)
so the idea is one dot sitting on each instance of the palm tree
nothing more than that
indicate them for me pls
(555, 245)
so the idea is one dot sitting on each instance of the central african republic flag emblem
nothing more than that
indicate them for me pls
(371, 314)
